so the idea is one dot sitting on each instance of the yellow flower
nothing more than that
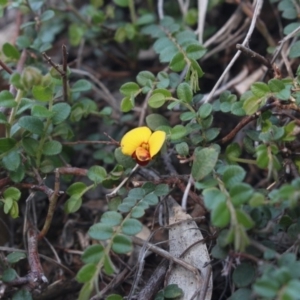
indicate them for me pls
(141, 144)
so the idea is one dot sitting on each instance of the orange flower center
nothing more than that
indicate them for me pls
(142, 153)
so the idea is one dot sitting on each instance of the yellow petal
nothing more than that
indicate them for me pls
(156, 141)
(134, 139)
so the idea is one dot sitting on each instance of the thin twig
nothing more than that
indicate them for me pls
(65, 73)
(52, 205)
(245, 42)
(202, 8)
(165, 254)
(6, 67)
(254, 55)
(55, 66)
(114, 192)
(116, 143)
(110, 98)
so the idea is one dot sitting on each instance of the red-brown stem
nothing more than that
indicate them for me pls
(52, 204)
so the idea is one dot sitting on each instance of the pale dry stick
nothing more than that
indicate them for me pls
(286, 62)
(144, 108)
(79, 54)
(236, 37)
(222, 34)
(236, 80)
(55, 255)
(184, 6)
(204, 287)
(283, 41)
(202, 8)
(114, 192)
(186, 193)
(165, 254)
(257, 10)
(111, 99)
(160, 9)
(25, 225)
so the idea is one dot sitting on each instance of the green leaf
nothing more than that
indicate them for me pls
(22, 295)
(9, 275)
(122, 3)
(262, 158)
(10, 51)
(121, 244)
(131, 227)
(127, 104)
(251, 105)
(18, 175)
(6, 144)
(276, 85)
(86, 273)
(3, 119)
(52, 148)
(30, 145)
(295, 50)
(108, 265)
(266, 288)
(114, 297)
(11, 161)
(14, 211)
(205, 110)
(86, 291)
(42, 93)
(157, 100)
(204, 162)
(101, 231)
(145, 78)
(12, 193)
(260, 89)
(92, 254)
(233, 151)
(97, 174)
(129, 88)
(172, 291)
(40, 111)
(8, 204)
(151, 199)
(76, 188)
(81, 85)
(233, 175)
(111, 218)
(47, 15)
(212, 197)
(211, 133)
(178, 132)
(244, 219)
(162, 190)
(240, 193)
(195, 51)
(178, 62)
(7, 99)
(184, 92)
(182, 149)
(73, 204)
(14, 257)
(76, 33)
(245, 294)
(61, 112)
(156, 120)
(220, 215)
(32, 124)
(137, 212)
